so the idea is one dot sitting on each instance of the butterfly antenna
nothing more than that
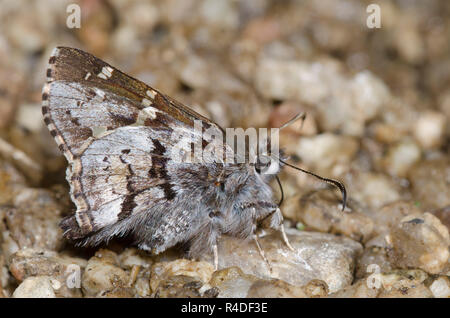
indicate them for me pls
(330, 181)
(281, 189)
(301, 116)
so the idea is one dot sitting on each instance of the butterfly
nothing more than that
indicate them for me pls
(121, 137)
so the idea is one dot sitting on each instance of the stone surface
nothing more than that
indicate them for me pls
(430, 129)
(443, 215)
(33, 219)
(182, 278)
(394, 284)
(344, 103)
(232, 282)
(103, 275)
(322, 211)
(391, 214)
(179, 286)
(64, 271)
(378, 113)
(316, 256)
(420, 242)
(430, 183)
(326, 152)
(401, 157)
(35, 287)
(372, 189)
(441, 287)
(275, 289)
(373, 255)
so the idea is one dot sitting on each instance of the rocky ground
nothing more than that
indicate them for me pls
(378, 113)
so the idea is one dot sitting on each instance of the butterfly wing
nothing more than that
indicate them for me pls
(118, 135)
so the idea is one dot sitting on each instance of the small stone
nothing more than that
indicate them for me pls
(30, 167)
(142, 286)
(33, 220)
(391, 214)
(420, 242)
(372, 189)
(441, 287)
(232, 282)
(179, 286)
(35, 287)
(64, 271)
(262, 30)
(201, 271)
(407, 39)
(326, 152)
(394, 284)
(219, 14)
(321, 210)
(401, 157)
(11, 87)
(430, 129)
(316, 288)
(102, 274)
(443, 215)
(400, 283)
(430, 180)
(373, 255)
(359, 289)
(343, 102)
(275, 289)
(11, 182)
(35, 262)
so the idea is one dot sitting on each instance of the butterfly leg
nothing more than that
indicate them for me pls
(216, 257)
(278, 218)
(255, 238)
(261, 252)
(275, 221)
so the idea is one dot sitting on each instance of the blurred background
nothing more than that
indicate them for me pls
(377, 98)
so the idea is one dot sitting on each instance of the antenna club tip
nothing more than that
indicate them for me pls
(344, 198)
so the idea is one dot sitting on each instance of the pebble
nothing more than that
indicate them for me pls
(316, 256)
(275, 289)
(198, 271)
(321, 210)
(232, 282)
(327, 152)
(103, 275)
(394, 284)
(441, 287)
(401, 157)
(430, 181)
(420, 242)
(35, 287)
(372, 189)
(430, 129)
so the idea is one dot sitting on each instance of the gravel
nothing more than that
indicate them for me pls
(378, 113)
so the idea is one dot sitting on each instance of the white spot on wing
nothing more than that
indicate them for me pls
(146, 102)
(146, 113)
(99, 94)
(106, 72)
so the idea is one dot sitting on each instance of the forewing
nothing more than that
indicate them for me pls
(117, 134)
